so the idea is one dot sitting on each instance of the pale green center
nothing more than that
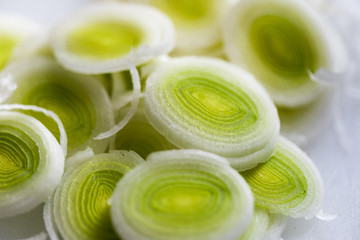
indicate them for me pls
(7, 44)
(104, 39)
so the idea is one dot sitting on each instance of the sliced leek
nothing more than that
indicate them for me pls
(215, 106)
(140, 136)
(31, 163)
(103, 37)
(283, 43)
(197, 22)
(80, 205)
(15, 30)
(80, 102)
(264, 226)
(303, 124)
(181, 194)
(288, 183)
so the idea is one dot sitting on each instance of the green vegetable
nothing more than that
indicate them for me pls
(212, 105)
(181, 194)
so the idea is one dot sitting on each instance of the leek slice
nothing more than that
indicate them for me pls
(283, 43)
(288, 183)
(182, 194)
(103, 37)
(303, 124)
(14, 30)
(31, 163)
(215, 106)
(80, 204)
(197, 23)
(264, 226)
(80, 102)
(140, 136)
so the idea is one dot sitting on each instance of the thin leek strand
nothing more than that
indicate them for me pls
(134, 104)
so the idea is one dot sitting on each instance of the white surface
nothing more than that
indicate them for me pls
(340, 169)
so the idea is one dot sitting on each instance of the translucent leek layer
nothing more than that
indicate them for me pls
(197, 22)
(80, 204)
(79, 101)
(288, 183)
(181, 194)
(140, 136)
(104, 37)
(31, 163)
(14, 30)
(214, 106)
(283, 42)
(264, 226)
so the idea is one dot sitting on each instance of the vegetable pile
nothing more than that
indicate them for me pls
(160, 119)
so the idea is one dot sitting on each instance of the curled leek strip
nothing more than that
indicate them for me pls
(31, 163)
(134, 105)
(212, 105)
(15, 30)
(80, 102)
(197, 22)
(288, 183)
(264, 225)
(182, 194)
(140, 136)
(283, 43)
(100, 37)
(80, 204)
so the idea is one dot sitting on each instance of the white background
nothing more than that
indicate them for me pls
(339, 167)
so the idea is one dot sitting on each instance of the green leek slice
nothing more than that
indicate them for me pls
(288, 183)
(80, 204)
(80, 102)
(197, 22)
(283, 43)
(214, 106)
(31, 163)
(15, 30)
(181, 194)
(103, 37)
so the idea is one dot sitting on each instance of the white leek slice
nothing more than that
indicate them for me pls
(288, 183)
(80, 102)
(197, 23)
(181, 194)
(264, 226)
(103, 37)
(303, 124)
(283, 43)
(62, 134)
(31, 163)
(14, 30)
(80, 205)
(215, 106)
(140, 136)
